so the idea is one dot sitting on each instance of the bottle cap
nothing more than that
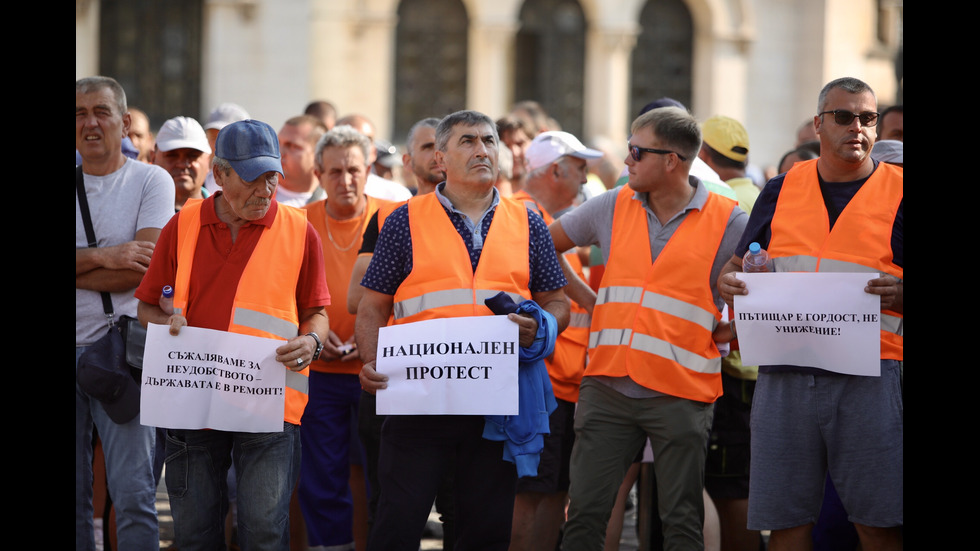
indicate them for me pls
(168, 291)
(754, 247)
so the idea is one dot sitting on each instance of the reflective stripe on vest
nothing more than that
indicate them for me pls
(662, 303)
(653, 320)
(271, 310)
(860, 241)
(442, 282)
(442, 299)
(579, 319)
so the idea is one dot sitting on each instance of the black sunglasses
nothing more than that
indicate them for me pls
(845, 118)
(637, 152)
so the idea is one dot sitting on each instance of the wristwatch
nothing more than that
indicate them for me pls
(319, 345)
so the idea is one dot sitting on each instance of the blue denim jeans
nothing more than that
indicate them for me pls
(129, 469)
(266, 467)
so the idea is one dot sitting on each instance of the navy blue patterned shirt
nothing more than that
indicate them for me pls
(392, 260)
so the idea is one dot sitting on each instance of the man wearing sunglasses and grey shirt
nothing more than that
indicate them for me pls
(842, 212)
(654, 367)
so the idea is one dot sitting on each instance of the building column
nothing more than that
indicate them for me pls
(351, 56)
(607, 82)
(490, 67)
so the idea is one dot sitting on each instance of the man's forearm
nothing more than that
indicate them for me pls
(87, 260)
(366, 333)
(555, 303)
(110, 281)
(734, 265)
(315, 320)
(577, 289)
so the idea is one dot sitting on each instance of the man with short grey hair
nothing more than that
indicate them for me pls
(325, 496)
(128, 202)
(841, 212)
(376, 186)
(439, 255)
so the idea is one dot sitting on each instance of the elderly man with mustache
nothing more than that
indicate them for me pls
(240, 251)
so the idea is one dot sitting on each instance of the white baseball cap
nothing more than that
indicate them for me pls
(181, 132)
(887, 151)
(548, 147)
(225, 114)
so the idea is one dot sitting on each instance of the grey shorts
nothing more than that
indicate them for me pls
(804, 426)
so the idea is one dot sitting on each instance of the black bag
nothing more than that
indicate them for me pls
(105, 374)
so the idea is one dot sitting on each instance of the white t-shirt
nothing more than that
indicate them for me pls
(135, 197)
(292, 198)
(383, 188)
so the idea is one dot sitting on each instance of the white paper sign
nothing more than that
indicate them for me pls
(823, 320)
(459, 366)
(211, 379)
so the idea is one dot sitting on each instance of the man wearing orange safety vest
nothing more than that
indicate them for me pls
(556, 171)
(440, 256)
(240, 262)
(333, 491)
(842, 212)
(654, 367)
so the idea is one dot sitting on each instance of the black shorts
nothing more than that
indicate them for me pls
(726, 470)
(556, 455)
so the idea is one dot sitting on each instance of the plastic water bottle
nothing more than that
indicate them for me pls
(167, 300)
(756, 259)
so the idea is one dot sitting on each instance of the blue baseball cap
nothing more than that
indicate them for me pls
(662, 102)
(251, 147)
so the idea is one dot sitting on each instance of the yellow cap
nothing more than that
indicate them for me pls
(726, 136)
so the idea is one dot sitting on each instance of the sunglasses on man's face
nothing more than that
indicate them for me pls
(845, 118)
(637, 152)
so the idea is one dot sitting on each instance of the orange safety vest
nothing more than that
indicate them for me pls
(259, 309)
(653, 320)
(567, 365)
(338, 265)
(442, 283)
(802, 240)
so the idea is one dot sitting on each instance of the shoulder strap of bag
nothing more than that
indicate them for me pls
(90, 235)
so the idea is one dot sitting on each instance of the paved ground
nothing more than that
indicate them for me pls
(627, 543)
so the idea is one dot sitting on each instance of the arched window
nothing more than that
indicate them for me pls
(550, 59)
(430, 61)
(154, 50)
(663, 58)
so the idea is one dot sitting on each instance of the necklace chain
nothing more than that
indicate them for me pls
(335, 244)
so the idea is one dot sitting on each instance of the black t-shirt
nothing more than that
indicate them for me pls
(371, 233)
